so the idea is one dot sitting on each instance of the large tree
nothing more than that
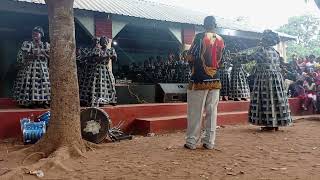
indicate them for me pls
(63, 139)
(306, 29)
(64, 128)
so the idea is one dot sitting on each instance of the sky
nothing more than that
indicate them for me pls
(261, 13)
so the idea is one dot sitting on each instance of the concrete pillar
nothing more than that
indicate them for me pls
(282, 49)
(103, 27)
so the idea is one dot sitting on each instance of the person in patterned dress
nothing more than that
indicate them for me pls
(269, 106)
(239, 86)
(224, 75)
(32, 85)
(98, 86)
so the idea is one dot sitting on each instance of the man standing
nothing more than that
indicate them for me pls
(204, 86)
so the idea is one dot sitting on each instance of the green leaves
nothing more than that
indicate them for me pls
(306, 28)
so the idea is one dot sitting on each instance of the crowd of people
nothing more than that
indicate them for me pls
(173, 69)
(302, 79)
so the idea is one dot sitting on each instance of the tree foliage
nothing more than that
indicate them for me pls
(306, 29)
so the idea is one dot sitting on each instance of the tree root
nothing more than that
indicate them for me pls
(91, 146)
(54, 160)
(76, 152)
(30, 155)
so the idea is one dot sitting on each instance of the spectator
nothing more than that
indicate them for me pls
(318, 98)
(317, 77)
(311, 97)
(294, 58)
(294, 67)
(297, 90)
(302, 64)
(310, 64)
(318, 60)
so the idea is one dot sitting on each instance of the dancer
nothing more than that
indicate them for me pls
(239, 87)
(98, 84)
(32, 85)
(269, 106)
(224, 75)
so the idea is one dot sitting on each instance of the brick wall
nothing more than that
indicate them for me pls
(188, 34)
(103, 26)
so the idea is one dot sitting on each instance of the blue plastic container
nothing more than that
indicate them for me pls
(45, 117)
(23, 121)
(33, 131)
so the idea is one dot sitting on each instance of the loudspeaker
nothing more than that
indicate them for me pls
(171, 92)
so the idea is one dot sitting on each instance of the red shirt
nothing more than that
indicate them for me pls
(214, 47)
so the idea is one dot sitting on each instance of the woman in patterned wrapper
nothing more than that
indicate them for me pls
(83, 56)
(32, 86)
(224, 75)
(99, 81)
(269, 106)
(239, 87)
(186, 68)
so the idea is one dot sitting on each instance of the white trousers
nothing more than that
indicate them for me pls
(198, 102)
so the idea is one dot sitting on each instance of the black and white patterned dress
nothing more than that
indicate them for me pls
(98, 83)
(269, 104)
(239, 87)
(224, 75)
(32, 85)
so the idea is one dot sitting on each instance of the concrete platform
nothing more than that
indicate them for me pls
(139, 118)
(167, 124)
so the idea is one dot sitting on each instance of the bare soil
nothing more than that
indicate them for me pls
(246, 153)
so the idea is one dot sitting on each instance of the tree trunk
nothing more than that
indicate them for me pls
(64, 129)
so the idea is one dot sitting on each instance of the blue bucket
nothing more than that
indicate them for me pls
(33, 131)
(23, 121)
(45, 117)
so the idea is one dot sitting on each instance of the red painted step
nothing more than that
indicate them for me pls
(163, 109)
(233, 106)
(6, 103)
(167, 124)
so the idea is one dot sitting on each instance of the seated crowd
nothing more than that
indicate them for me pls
(173, 69)
(302, 79)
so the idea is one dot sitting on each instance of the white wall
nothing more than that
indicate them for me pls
(117, 26)
(86, 21)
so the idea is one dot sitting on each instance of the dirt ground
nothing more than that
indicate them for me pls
(246, 153)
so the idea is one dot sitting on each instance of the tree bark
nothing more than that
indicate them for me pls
(64, 128)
